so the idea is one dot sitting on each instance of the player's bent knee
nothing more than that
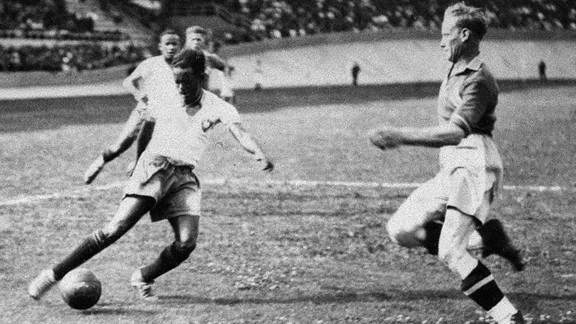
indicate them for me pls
(450, 257)
(182, 250)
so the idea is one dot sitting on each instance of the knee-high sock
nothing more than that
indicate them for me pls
(171, 257)
(480, 286)
(433, 230)
(91, 246)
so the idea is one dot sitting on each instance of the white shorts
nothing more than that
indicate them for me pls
(174, 188)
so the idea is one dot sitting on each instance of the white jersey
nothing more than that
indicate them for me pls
(180, 132)
(158, 83)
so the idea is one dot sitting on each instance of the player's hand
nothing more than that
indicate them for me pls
(94, 169)
(386, 138)
(266, 164)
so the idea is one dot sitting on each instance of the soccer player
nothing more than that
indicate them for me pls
(197, 38)
(152, 84)
(471, 168)
(163, 182)
(135, 127)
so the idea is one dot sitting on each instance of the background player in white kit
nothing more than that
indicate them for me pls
(140, 82)
(163, 182)
(151, 84)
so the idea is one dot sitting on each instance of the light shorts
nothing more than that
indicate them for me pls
(174, 188)
(470, 175)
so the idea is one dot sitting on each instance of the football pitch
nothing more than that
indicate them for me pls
(304, 244)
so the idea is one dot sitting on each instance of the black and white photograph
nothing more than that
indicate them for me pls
(288, 161)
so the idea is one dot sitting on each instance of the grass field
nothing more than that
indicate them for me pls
(274, 248)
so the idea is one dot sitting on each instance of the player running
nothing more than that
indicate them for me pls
(143, 83)
(152, 85)
(460, 195)
(163, 182)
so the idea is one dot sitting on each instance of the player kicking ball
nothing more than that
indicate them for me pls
(163, 182)
(461, 193)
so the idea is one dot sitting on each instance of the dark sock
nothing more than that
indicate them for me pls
(169, 259)
(433, 230)
(91, 246)
(480, 286)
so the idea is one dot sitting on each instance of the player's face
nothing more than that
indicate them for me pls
(169, 46)
(189, 83)
(451, 43)
(195, 41)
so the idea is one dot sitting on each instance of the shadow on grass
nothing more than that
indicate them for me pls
(105, 310)
(328, 298)
(527, 300)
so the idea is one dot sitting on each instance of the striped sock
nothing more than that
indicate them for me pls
(481, 287)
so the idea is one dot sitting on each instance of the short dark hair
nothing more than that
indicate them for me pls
(168, 32)
(189, 58)
(468, 17)
(197, 30)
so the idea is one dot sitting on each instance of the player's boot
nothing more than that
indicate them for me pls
(41, 284)
(496, 241)
(517, 318)
(94, 169)
(143, 288)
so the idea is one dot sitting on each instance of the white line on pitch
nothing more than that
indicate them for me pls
(297, 183)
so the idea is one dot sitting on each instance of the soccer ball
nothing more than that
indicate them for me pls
(80, 289)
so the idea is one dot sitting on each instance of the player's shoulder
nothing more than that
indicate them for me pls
(213, 101)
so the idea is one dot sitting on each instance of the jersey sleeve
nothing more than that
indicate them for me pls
(228, 114)
(142, 70)
(475, 101)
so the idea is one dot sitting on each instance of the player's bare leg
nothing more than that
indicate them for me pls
(185, 233)
(129, 212)
(477, 280)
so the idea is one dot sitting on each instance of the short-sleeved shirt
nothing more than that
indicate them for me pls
(180, 131)
(158, 83)
(468, 98)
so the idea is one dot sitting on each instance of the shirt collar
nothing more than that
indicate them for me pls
(473, 65)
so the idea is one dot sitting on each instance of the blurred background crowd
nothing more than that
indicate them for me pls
(68, 35)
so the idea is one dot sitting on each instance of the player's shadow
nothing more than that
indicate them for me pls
(104, 310)
(327, 298)
(528, 300)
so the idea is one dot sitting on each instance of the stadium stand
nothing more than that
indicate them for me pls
(291, 18)
(67, 36)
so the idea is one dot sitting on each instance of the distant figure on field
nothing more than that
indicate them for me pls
(542, 71)
(355, 73)
(258, 76)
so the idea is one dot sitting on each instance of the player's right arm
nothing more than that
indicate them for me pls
(215, 61)
(133, 83)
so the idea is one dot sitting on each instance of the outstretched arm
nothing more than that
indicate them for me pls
(387, 137)
(251, 146)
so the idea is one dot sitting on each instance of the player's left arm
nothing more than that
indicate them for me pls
(251, 146)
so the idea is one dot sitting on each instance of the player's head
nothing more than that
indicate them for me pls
(196, 38)
(189, 67)
(463, 28)
(169, 44)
